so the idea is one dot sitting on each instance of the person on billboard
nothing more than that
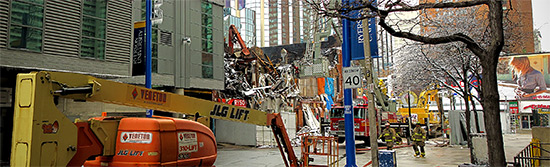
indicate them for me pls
(530, 81)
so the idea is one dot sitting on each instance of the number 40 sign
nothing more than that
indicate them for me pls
(352, 77)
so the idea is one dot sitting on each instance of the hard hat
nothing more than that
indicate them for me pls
(387, 124)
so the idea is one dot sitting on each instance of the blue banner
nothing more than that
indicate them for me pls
(329, 86)
(373, 38)
(357, 39)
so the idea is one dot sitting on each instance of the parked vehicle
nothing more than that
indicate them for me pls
(361, 122)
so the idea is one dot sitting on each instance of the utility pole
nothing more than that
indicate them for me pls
(367, 64)
(410, 116)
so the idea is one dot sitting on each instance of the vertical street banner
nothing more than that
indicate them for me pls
(138, 54)
(357, 37)
(373, 38)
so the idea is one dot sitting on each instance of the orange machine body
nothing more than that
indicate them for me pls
(161, 141)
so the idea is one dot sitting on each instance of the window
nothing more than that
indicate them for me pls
(26, 28)
(94, 23)
(339, 113)
(207, 40)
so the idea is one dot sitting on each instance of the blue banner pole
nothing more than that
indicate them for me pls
(348, 106)
(149, 112)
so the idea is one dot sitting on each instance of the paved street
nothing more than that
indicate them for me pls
(450, 156)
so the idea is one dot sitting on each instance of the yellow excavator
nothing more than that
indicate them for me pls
(43, 136)
(421, 113)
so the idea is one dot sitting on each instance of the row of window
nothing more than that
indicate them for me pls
(27, 26)
(26, 30)
(207, 40)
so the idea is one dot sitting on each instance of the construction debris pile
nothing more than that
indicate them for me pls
(260, 87)
(296, 78)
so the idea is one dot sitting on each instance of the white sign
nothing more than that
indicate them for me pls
(136, 137)
(414, 118)
(360, 37)
(352, 77)
(187, 142)
(347, 109)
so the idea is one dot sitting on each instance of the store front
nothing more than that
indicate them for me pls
(534, 113)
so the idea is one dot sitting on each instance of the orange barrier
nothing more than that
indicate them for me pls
(320, 146)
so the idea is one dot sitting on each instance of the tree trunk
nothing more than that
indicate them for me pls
(476, 116)
(490, 97)
(440, 110)
(492, 114)
(468, 123)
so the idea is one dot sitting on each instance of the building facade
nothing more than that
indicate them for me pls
(244, 19)
(88, 37)
(281, 22)
(95, 38)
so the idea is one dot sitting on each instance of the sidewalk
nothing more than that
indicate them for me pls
(448, 156)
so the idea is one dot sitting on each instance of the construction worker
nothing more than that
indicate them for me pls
(398, 134)
(419, 137)
(388, 135)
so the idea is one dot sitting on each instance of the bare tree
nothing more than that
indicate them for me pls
(487, 52)
(452, 64)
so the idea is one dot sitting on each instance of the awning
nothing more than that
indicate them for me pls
(529, 106)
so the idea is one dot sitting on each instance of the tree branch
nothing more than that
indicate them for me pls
(461, 4)
(458, 37)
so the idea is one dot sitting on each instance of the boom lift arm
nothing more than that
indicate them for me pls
(42, 135)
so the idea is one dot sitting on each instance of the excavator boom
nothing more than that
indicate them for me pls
(235, 35)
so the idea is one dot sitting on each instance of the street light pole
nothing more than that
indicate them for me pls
(348, 106)
(410, 115)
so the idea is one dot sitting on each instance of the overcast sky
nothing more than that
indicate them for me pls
(541, 21)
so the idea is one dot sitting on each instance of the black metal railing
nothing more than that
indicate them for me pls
(532, 155)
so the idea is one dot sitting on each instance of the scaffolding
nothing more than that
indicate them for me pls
(324, 148)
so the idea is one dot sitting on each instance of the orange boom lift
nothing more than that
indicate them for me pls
(43, 136)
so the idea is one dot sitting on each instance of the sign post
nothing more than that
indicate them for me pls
(148, 41)
(352, 46)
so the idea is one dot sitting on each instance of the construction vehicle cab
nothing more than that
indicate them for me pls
(420, 111)
(43, 136)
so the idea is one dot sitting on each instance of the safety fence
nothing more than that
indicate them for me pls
(533, 155)
(325, 149)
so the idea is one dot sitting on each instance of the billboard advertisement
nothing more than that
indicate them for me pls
(527, 74)
(525, 78)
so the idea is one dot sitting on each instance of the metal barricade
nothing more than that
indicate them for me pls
(532, 155)
(320, 146)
